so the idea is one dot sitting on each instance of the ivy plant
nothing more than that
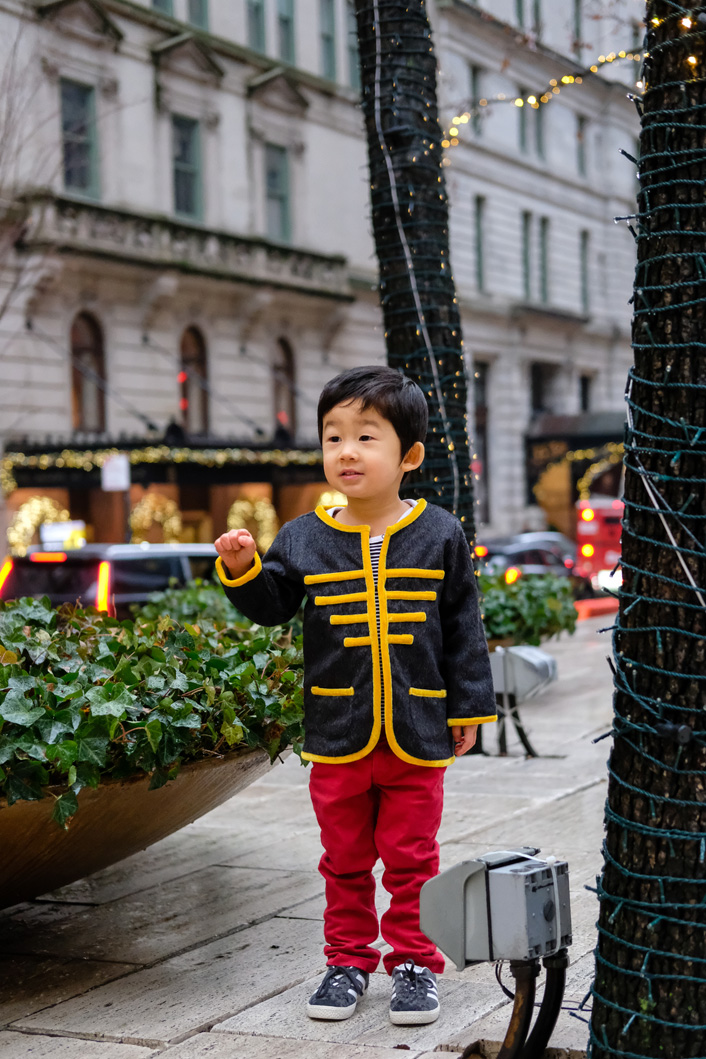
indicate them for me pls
(528, 611)
(84, 697)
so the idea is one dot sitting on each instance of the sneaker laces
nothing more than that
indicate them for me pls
(408, 980)
(329, 980)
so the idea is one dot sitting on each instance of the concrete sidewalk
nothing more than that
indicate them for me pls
(208, 943)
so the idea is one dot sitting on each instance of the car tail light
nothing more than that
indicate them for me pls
(48, 557)
(588, 514)
(481, 551)
(5, 571)
(569, 563)
(512, 574)
(587, 550)
(103, 589)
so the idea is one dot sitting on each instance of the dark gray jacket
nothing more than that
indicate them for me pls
(431, 653)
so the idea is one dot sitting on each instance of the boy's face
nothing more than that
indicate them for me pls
(362, 457)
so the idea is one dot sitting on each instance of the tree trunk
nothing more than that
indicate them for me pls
(649, 994)
(410, 225)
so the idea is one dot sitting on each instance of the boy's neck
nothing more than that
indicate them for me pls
(373, 514)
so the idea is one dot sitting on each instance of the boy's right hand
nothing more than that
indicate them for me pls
(237, 549)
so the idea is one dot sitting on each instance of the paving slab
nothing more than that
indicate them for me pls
(463, 998)
(234, 1046)
(30, 983)
(29, 1046)
(164, 920)
(189, 993)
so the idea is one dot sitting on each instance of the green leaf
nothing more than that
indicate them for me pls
(233, 732)
(64, 808)
(110, 700)
(23, 788)
(71, 777)
(92, 750)
(64, 754)
(18, 709)
(153, 731)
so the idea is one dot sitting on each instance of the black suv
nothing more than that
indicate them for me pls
(525, 554)
(110, 577)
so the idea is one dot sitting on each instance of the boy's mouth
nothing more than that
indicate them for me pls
(351, 474)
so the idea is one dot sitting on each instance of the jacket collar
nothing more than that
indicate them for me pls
(414, 513)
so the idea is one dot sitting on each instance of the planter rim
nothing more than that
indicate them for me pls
(194, 765)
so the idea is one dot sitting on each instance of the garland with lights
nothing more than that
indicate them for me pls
(28, 518)
(93, 459)
(410, 225)
(649, 995)
(476, 107)
(257, 513)
(155, 508)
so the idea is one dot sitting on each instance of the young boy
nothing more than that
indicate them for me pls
(396, 678)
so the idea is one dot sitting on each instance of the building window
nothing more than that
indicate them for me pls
(353, 54)
(256, 24)
(527, 256)
(197, 13)
(193, 383)
(520, 13)
(584, 254)
(186, 150)
(165, 6)
(581, 133)
(277, 193)
(479, 228)
(285, 29)
(476, 78)
(544, 259)
(578, 27)
(539, 130)
(544, 387)
(284, 394)
(522, 120)
(79, 140)
(585, 393)
(327, 24)
(87, 374)
(537, 26)
(480, 440)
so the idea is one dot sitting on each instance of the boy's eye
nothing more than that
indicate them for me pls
(333, 437)
(366, 437)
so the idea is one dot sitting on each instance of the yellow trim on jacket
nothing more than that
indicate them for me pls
(253, 571)
(345, 575)
(369, 596)
(470, 720)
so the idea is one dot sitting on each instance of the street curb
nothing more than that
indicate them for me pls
(592, 608)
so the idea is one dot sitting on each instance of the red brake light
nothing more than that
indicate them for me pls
(5, 571)
(512, 574)
(588, 514)
(587, 550)
(569, 563)
(103, 589)
(48, 557)
(481, 551)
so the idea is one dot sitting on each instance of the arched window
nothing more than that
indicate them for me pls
(284, 389)
(193, 393)
(87, 374)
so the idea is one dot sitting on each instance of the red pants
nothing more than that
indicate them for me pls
(382, 807)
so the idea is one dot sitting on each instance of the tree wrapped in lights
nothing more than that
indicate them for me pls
(649, 994)
(410, 225)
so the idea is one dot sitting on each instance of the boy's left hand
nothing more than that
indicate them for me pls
(464, 737)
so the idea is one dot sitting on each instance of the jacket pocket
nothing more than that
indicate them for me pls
(427, 693)
(332, 691)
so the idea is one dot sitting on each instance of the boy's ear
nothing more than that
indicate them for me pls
(414, 457)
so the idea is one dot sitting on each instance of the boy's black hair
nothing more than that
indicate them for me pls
(394, 396)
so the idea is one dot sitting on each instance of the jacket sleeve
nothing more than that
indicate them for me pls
(470, 698)
(270, 592)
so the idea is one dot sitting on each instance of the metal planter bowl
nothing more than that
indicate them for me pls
(115, 820)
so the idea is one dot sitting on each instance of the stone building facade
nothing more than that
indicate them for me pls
(190, 258)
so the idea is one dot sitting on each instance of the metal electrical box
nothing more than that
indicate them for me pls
(507, 905)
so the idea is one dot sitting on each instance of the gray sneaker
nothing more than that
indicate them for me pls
(415, 1000)
(338, 995)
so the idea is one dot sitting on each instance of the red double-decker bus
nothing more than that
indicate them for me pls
(598, 528)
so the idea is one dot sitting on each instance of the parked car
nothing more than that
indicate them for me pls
(516, 557)
(109, 577)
